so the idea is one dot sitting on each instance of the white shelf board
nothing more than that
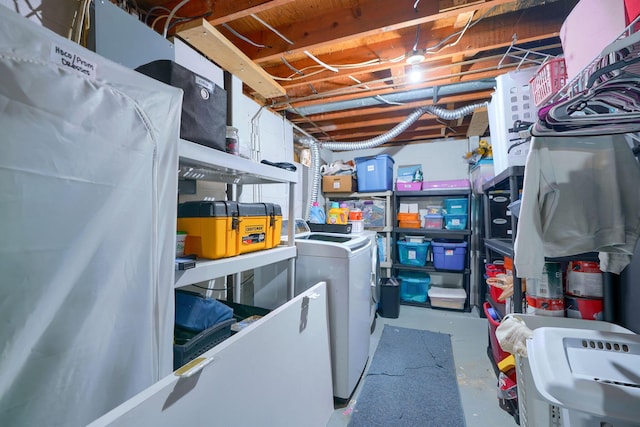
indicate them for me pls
(212, 269)
(200, 162)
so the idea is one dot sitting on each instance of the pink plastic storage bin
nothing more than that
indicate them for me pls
(433, 221)
(452, 183)
(408, 186)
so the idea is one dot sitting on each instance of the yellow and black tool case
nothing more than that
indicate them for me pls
(221, 229)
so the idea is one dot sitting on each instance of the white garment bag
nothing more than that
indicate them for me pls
(88, 160)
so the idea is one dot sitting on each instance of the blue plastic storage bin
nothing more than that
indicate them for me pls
(455, 221)
(456, 206)
(414, 286)
(374, 173)
(410, 253)
(449, 255)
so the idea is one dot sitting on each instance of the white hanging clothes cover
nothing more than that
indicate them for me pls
(88, 160)
(580, 195)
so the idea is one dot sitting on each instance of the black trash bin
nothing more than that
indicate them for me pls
(389, 298)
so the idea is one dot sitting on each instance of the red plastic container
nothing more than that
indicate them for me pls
(548, 80)
(496, 351)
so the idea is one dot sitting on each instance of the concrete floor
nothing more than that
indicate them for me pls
(476, 378)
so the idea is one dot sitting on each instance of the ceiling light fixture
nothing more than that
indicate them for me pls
(415, 75)
(414, 57)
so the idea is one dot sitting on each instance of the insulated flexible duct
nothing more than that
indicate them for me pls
(313, 143)
(315, 171)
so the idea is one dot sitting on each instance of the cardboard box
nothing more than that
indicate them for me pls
(338, 184)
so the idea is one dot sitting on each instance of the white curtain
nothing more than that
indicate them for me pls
(88, 161)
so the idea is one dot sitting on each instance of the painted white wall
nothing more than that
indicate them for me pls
(263, 136)
(440, 160)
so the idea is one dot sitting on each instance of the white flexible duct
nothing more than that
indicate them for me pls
(314, 144)
(315, 171)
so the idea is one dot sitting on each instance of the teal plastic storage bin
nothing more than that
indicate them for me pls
(410, 253)
(456, 206)
(374, 173)
(455, 221)
(414, 286)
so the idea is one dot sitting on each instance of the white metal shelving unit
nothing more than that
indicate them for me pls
(203, 163)
(388, 222)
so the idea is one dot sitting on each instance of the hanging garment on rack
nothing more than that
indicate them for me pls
(580, 195)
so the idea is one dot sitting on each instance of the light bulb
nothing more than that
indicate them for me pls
(415, 74)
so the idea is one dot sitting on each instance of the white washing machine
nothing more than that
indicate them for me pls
(344, 262)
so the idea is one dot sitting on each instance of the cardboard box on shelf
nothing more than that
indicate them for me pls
(338, 184)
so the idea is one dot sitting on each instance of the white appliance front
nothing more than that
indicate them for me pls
(88, 156)
(344, 262)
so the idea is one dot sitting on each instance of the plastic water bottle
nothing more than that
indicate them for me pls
(316, 215)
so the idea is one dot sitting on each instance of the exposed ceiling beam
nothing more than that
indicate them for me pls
(211, 43)
(230, 10)
(369, 18)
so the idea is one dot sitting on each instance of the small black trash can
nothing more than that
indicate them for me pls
(389, 298)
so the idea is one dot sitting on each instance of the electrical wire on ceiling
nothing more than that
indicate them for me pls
(459, 34)
(291, 67)
(359, 82)
(321, 68)
(328, 67)
(153, 9)
(243, 38)
(415, 45)
(171, 15)
(276, 32)
(385, 101)
(178, 21)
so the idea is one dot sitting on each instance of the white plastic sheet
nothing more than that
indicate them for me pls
(88, 160)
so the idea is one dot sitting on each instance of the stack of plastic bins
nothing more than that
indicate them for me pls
(533, 411)
(455, 217)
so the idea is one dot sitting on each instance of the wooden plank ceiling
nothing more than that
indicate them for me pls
(339, 70)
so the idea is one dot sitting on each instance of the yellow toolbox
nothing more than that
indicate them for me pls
(221, 229)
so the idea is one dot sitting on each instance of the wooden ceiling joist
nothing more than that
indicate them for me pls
(211, 43)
